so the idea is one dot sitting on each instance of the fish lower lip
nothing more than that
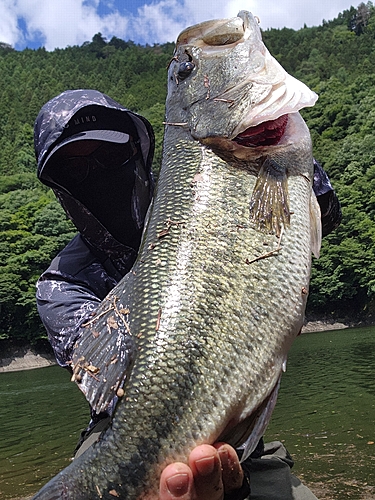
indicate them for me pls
(268, 133)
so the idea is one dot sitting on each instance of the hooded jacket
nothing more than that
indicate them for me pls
(86, 270)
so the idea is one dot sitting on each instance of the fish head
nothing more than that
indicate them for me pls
(223, 81)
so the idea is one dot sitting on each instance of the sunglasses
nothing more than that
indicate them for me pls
(107, 157)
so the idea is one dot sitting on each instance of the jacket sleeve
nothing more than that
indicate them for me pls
(330, 207)
(67, 294)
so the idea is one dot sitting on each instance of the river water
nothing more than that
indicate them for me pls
(325, 416)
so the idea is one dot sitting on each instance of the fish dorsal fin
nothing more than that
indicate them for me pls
(269, 205)
(103, 355)
(316, 225)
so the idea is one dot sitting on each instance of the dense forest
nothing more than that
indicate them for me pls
(336, 59)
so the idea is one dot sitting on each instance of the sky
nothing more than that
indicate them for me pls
(61, 23)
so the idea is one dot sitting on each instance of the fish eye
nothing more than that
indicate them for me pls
(185, 69)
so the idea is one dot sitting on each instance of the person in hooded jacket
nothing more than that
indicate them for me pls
(96, 156)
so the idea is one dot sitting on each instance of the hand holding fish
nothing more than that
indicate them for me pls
(212, 471)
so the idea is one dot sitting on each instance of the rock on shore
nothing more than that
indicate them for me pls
(322, 326)
(24, 359)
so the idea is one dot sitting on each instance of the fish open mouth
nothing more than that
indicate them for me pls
(265, 134)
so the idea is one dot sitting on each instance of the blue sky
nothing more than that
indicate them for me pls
(59, 23)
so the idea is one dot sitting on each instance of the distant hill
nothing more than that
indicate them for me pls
(336, 59)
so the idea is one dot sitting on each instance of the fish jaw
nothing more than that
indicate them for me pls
(233, 78)
(240, 154)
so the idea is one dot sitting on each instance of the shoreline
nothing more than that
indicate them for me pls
(27, 358)
(323, 326)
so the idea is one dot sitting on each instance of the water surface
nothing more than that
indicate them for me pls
(324, 415)
(41, 416)
(325, 412)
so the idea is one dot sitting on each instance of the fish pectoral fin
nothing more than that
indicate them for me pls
(248, 432)
(316, 226)
(269, 204)
(101, 362)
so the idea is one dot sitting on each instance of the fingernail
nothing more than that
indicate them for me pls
(178, 484)
(205, 466)
(226, 460)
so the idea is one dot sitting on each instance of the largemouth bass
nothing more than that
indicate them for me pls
(193, 340)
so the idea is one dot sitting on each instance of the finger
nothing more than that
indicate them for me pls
(232, 473)
(205, 464)
(176, 481)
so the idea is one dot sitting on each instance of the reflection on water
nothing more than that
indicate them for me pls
(325, 416)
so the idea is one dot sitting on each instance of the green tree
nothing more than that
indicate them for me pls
(336, 59)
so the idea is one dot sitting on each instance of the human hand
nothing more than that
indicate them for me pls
(212, 471)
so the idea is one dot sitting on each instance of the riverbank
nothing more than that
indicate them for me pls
(322, 326)
(18, 358)
(24, 358)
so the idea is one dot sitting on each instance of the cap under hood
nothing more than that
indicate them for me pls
(89, 114)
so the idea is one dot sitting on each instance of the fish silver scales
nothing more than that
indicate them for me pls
(197, 333)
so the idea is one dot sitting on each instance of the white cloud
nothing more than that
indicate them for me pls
(294, 13)
(161, 20)
(57, 23)
(61, 23)
(9, 31)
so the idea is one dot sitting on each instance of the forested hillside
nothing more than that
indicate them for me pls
(336, 59)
